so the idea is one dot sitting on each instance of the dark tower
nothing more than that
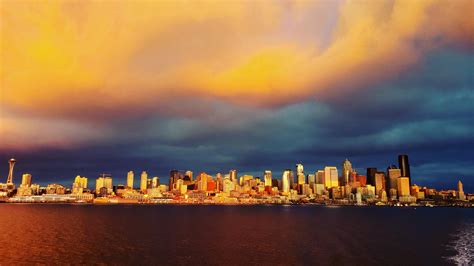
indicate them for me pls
(404, 166)
(371, 176)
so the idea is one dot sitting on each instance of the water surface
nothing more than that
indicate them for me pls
(234, 235)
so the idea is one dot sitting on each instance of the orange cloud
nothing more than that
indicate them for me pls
(92, 59)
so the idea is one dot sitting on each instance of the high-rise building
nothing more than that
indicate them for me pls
(331, 178)
(311, 180)
(461, 195)
(371, 175)
(393, 174)
(267, 177)
(130, 176)
(155, 182)
(346, 171)
(403, 186)
(26, 180)
(379, 182)
(404, 166)
(174, 176)
(103, 182)
(188, 175)
(80, 183)
(286, 181)
(233, 175)
(299, 169)
(320, 177)
(143, 181)
(202, 180)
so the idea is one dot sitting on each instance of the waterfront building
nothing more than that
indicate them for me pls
(130, 176)
(143, 181)
(331, 178)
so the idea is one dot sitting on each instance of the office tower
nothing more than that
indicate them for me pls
(143, 181)
(80, 183)
(403, 186)
(202, 180)
(393, 174)
(11, 164)
(346, 171)
(311, 180)
(292, 178)
(461, 195)
(103, 182)
(26, 180)
(267, 177)
(130, 176)
(175, 175)
(233, 175)
(371, 175)
(331, 178)
(379, 182)
(188, 175)
(301, 179)
(286, 181)
(320, 177)
(155, 182)
(404, 166)
(299, 169)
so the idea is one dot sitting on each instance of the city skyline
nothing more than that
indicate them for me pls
(211, 86)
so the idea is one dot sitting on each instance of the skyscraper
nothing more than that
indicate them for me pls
(233, 175)
(403, 186)
(174, 176)
(404, 166)
(26, 180)
(130, 177)
(379, 182)
(346, 171)
(143, 181)
(371, 175)
(393, 173)
(267, 177)
(331, 178)
(286, 181)
(461, 195)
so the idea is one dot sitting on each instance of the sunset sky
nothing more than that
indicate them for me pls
(110, 86)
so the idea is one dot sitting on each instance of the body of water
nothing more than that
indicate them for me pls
(234, 235)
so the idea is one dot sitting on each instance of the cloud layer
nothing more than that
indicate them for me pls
(212, 85)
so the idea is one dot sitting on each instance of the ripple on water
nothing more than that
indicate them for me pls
(463, 245)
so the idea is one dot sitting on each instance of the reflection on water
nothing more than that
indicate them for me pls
(463, 245)
(232, 235)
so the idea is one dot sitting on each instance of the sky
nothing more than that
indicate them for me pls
(91, 87)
